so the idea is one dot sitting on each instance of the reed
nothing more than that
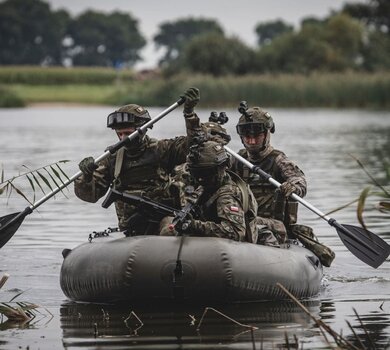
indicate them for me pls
(36, 75)
(110, 87)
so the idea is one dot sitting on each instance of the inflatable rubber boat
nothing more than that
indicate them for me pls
(195, 269)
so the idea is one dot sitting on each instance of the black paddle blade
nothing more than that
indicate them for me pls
(9, 224)
(365, 245)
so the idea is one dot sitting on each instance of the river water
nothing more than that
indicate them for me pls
(321, 141)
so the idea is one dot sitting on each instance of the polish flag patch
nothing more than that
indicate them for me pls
(234, 209)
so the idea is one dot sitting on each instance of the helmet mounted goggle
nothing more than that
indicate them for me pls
(122, 119)
(251, 129)
(250, 126)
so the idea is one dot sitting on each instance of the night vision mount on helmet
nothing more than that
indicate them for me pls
(131, 115)
(253, 121)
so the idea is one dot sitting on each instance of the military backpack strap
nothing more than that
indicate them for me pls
(118, 162)
(242, 185)
(249, 205)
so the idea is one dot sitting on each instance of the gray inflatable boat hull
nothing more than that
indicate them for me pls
(209, 269)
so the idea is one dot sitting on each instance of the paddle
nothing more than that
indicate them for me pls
(9, 224)
(365, 245)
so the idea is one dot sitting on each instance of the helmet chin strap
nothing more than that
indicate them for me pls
(255, 151)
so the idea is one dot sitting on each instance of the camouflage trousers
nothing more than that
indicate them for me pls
(267, 237)
(307, 237)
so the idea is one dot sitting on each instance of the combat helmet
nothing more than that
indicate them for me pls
(207, 161)
(131, 115)
(214, 130)
(254, 121)
(207, 154)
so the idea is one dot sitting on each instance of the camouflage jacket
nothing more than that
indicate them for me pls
(144, 173)
(281, 169)
(221, 214)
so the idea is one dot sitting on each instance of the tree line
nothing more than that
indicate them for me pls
(355, 38)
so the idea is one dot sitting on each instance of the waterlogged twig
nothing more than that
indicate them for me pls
(321, 324)
(223, 315)
(132, 313)
(370, 176)
(3, 280)
(356, 336)
(372, 345)
(251, 328)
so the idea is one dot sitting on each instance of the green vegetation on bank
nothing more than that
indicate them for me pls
(27, 85)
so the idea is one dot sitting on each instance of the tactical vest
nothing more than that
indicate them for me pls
(268, 201)
(141, 175)
(142, 172)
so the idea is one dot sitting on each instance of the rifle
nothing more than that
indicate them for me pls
(156, 210)
(181, 218)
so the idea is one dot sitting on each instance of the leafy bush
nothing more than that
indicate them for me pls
(9, 99)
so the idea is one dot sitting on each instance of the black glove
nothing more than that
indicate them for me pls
(87, 167)
(186, 225)
(192, 96)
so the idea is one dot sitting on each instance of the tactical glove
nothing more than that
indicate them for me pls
(192, 96)
(186, 226)
(87, 167)
(287, 189)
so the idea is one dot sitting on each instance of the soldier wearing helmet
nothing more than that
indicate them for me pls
(140, 168)
(220, 208)
(255, 127)
(211, 130)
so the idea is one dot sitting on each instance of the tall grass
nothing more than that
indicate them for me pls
(35, 75)
(10, 99)
(108, 86)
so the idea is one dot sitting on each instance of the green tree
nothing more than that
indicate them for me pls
(105, 40)
(375, 15)
(376, 51)
(268, 31)
(344, 35)
(294, 53)
(375, 12)
(214, 54)
(329, 46)
(173, 36)
(30, 32)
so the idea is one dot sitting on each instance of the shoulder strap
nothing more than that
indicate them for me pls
(118, 162)
(243, 188)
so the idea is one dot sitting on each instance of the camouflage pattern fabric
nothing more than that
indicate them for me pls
(144, 173)
(180, 184)
(280, 168)
(221, 213)
(307, 237)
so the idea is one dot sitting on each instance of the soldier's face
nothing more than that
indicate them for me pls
(123, 133)
(209, 178)
(253, 140)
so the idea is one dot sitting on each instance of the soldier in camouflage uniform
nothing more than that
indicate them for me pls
(221, 210)
(140, 168)
(211, 130)
(276, 210)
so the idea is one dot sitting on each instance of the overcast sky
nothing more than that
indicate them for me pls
(237, 17)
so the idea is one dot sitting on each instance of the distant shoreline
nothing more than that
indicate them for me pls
(36, 86)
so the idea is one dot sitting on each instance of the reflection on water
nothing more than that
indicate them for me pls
(153, 326)
(320, 141)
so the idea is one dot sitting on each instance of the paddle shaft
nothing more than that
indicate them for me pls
(364, 244)
(111, 150)
(277, 184)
